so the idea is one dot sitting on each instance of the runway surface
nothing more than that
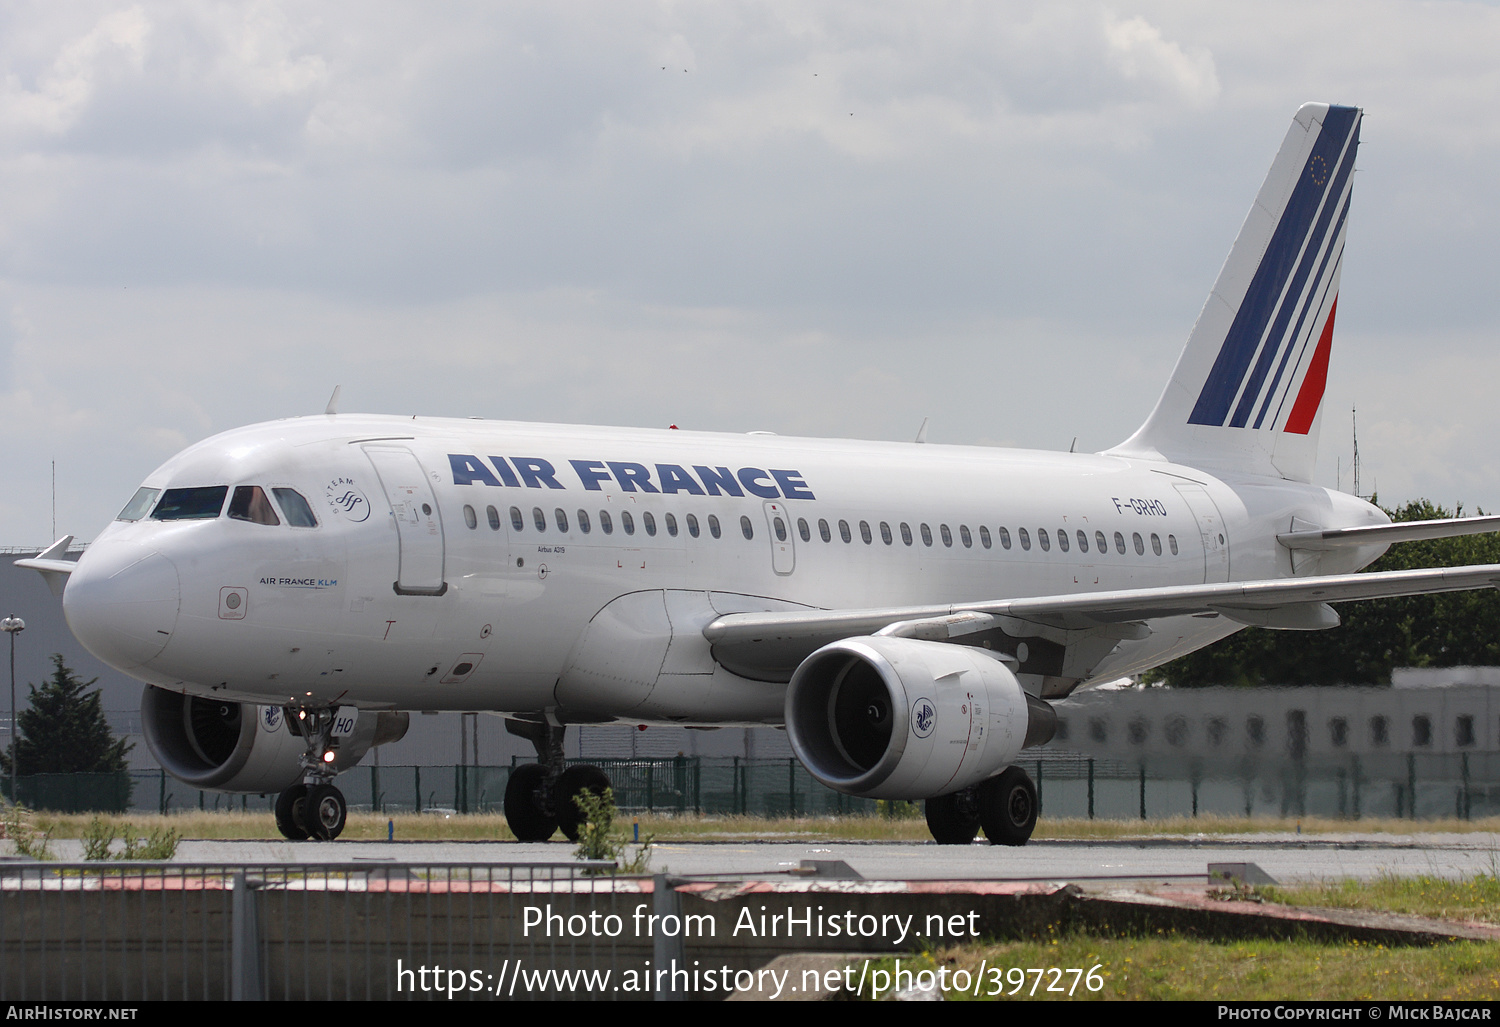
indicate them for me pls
(1286, 857)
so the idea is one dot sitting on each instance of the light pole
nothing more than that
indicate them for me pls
(12, 626)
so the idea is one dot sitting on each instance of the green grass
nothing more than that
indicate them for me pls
(1475, 899)
(1173, 967)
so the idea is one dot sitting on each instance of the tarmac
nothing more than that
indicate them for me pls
(1285, 857)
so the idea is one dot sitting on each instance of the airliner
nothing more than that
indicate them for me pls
(908, 612)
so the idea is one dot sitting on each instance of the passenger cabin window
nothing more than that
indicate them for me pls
(1140, 547)
(190, 504)
(864, 532)
(671, 524)
(692, 525)
(1043, 539)
(539, 518)
(606, 524)
(491, 513)
(748, 530)
(1156, 543)
(1004, 534)
(1062, 539)
(1025, 539)
(561, 517)
(947, 535)
(249, 503)
(1119, 543)
(906, 533)
(713, 526)
(139, 505)
(984, 536)
(823, 532)
(802, 529)
(1100, 542)
(648, 519)
(780, 528)
(516, 520)
(885, 533)
(1083, 541)
(1172, 544)
(471, 519)
(627, 522)
(844, 532)
(926, 535)
(965, 537)
(583, 521)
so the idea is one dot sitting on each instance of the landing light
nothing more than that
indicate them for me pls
(328, 756)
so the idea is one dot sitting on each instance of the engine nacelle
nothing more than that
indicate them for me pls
(901, 718)
(233, 747)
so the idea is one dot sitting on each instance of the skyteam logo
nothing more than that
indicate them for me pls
(923, 717)
(347, 500)
(1273, 365)
(270, 717)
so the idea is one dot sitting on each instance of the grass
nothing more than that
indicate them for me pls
(1474, 899)
(193, 824)
(1179, 968)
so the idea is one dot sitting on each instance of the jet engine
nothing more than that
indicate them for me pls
(234, 747)
(901, 718)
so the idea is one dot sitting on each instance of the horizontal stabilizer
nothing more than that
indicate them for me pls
(1319, 540)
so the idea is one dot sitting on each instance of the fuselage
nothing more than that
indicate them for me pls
(456, 564)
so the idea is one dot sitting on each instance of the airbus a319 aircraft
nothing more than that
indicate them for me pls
(907, 611)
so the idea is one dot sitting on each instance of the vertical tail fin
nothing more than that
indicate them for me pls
(1246, 393)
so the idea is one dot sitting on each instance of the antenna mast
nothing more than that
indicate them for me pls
(1354, 421)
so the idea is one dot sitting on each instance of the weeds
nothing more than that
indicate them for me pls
(29, 838)
(599, 839)
(99, 838)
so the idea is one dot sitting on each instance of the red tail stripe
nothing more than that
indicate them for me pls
(1310, 396)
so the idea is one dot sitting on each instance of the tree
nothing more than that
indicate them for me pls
(1450, 629)
(63, 730)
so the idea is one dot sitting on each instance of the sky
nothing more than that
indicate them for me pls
(829, 219)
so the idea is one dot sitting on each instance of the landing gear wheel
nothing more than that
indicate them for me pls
(1008, 807)
(576, 780)
(289, 805)
(953, 819)
(325, 812)
(528, 819)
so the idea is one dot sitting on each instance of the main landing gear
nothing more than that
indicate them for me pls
(541, 797)
(1004, 806)
(314, 808)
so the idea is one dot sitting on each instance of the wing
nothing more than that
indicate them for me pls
(773, 643)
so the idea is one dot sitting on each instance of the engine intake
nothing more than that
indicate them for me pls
(234, 747)
(901, 718)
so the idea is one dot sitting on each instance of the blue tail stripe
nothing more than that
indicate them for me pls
(1314, 301)
(1279, 261)
(1278, 340)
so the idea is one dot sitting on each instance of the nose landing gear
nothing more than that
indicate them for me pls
(314, 808)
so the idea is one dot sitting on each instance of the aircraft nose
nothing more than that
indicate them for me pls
(121, 603)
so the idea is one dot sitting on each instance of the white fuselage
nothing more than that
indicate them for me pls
(344, 612)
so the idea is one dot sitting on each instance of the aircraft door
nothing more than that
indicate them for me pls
(1210, 529)
(783, 551)
(419, 526)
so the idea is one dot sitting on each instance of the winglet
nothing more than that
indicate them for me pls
(51, 564)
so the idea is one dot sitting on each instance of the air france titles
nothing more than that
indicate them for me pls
(665, 479)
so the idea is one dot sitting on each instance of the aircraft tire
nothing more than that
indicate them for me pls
(577, 779)
(1008, 807)
(524, 814)
(952, 819)
(325, 812)
(289, 805)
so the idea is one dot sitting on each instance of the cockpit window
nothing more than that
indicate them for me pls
(139, 505)
(299, 514)
(190, 504)
(250, 504)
